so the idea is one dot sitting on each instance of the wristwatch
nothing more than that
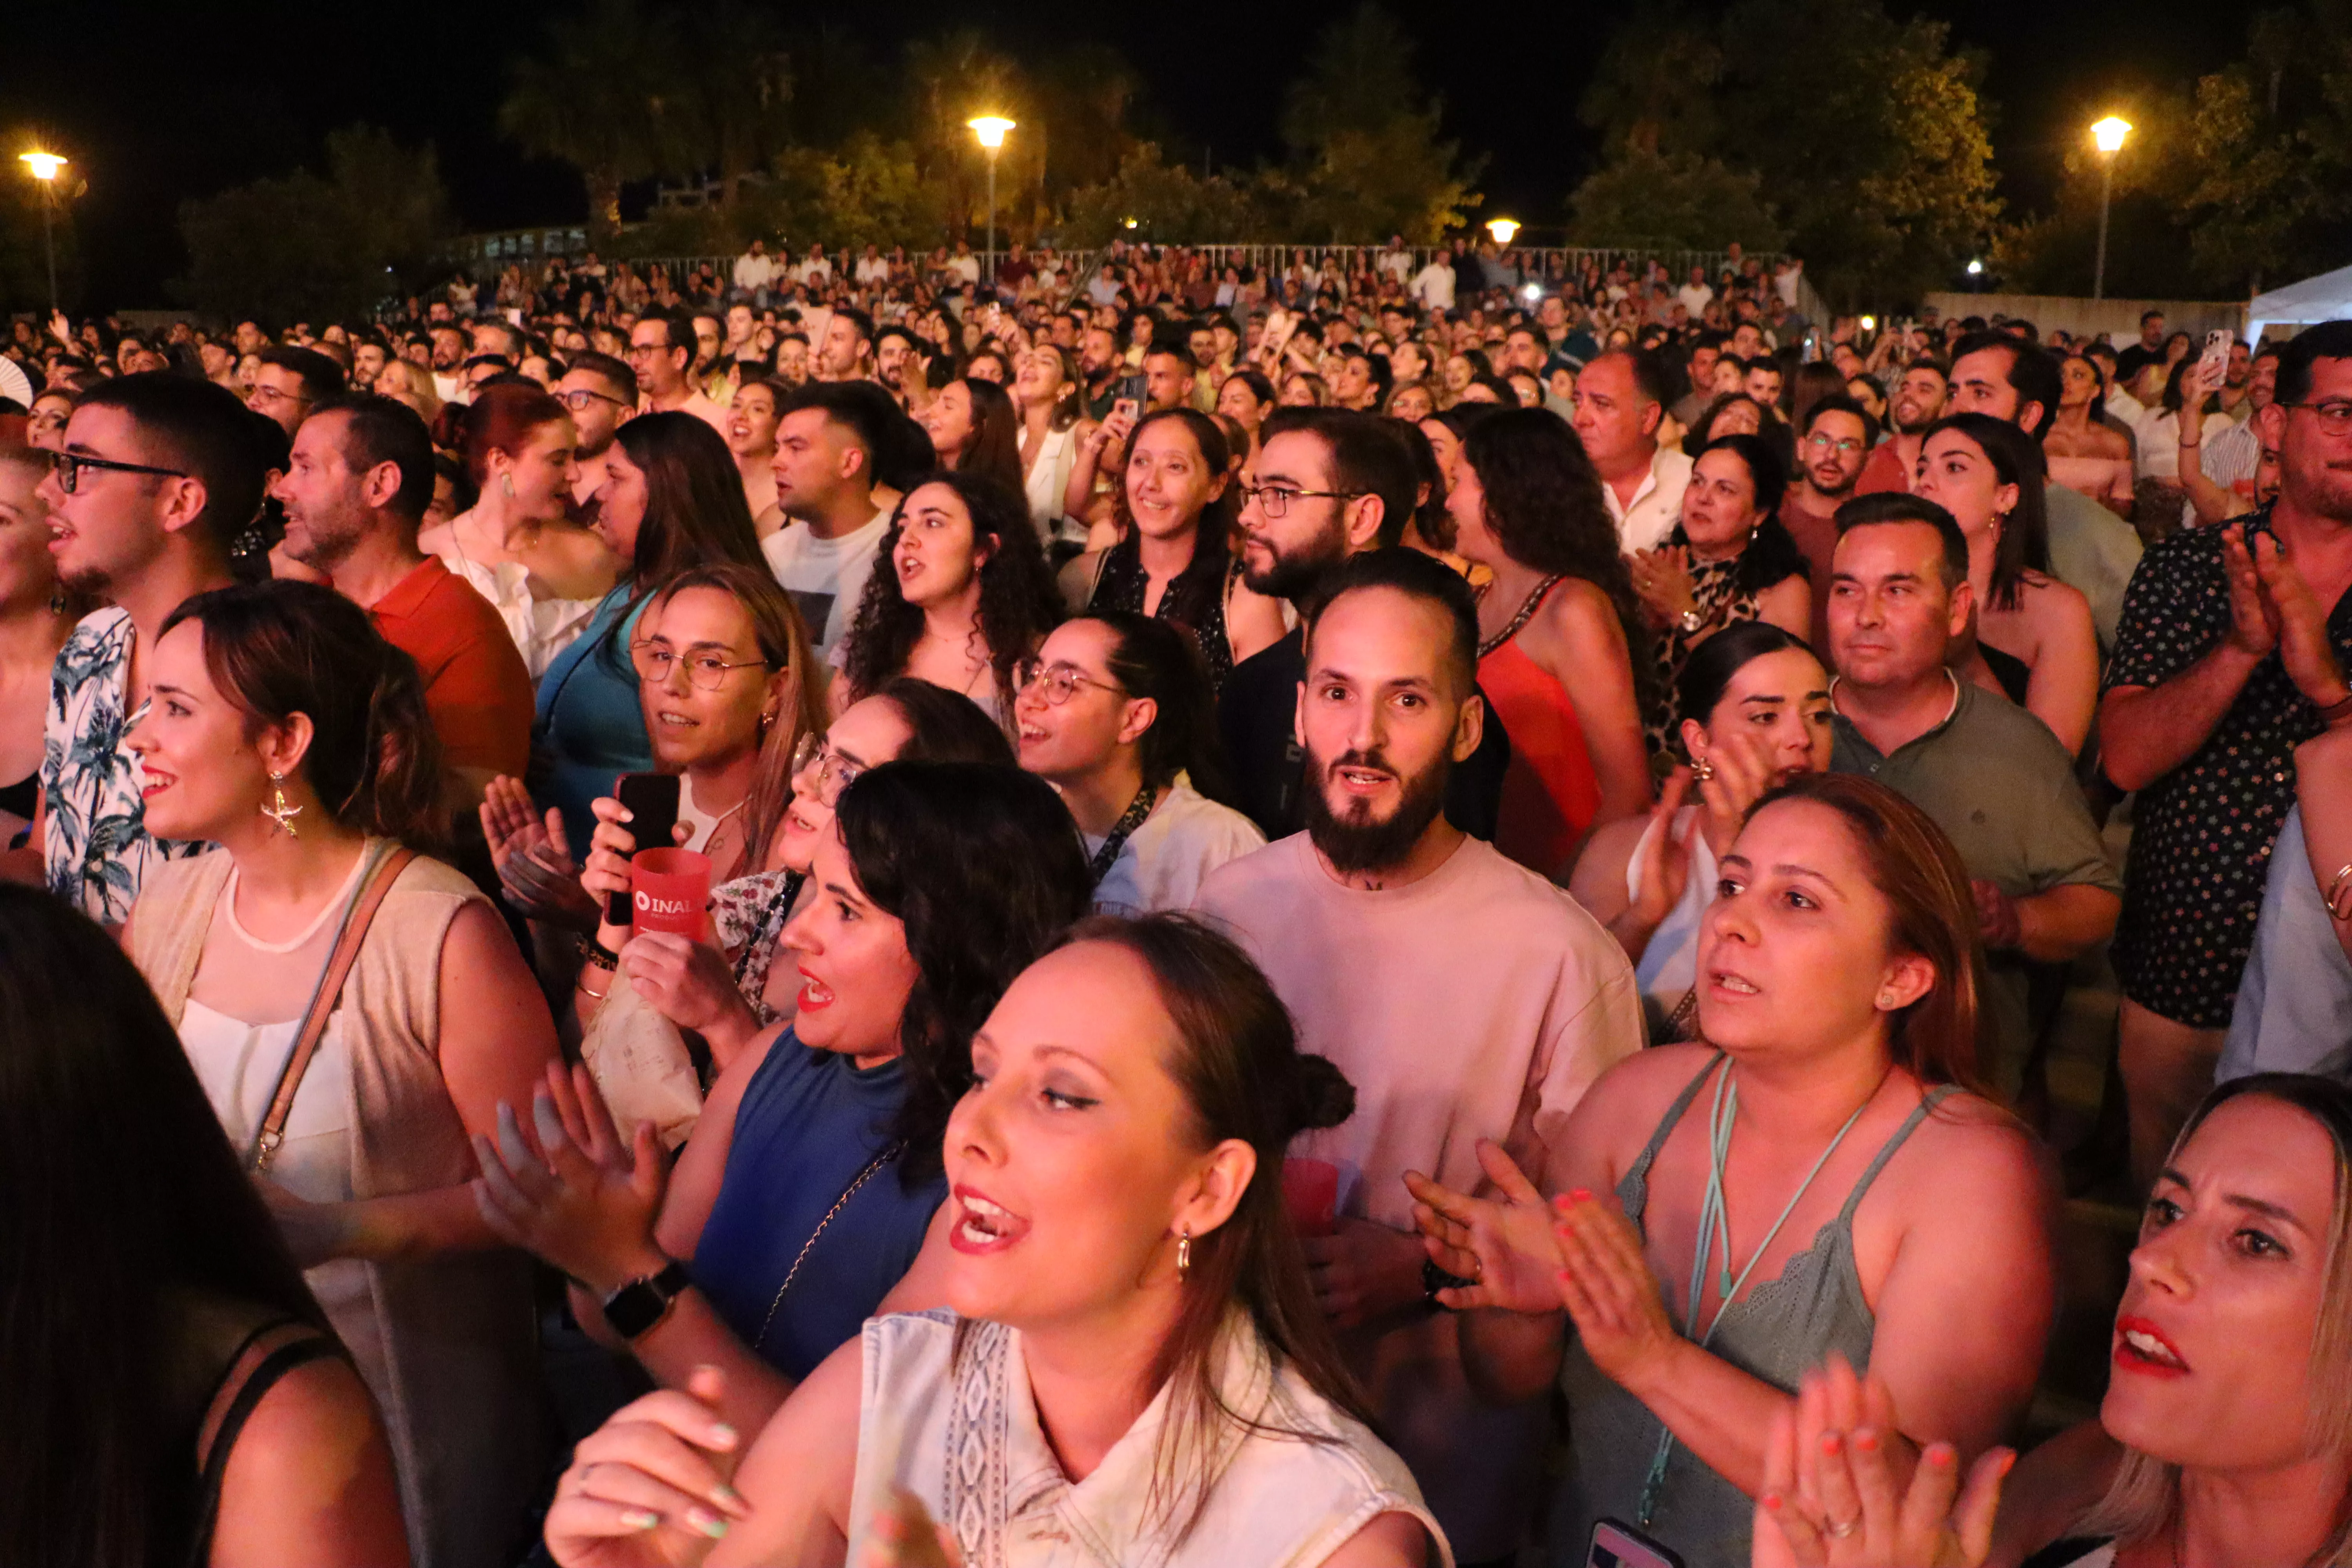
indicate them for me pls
(1433, 1280)
(634, 1309)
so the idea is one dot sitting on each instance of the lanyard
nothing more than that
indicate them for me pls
(1715, 1227)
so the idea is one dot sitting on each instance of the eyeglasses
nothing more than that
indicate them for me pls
(1057, 683)
(580, 397)
(263, 393)
(2334, 414)
(835, 772)
(1821, 442)
(706, 671)
(1274, 501)
(69, 465)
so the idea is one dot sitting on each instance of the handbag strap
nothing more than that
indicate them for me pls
(362, 914)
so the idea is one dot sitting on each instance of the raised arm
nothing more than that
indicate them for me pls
(2146, 732)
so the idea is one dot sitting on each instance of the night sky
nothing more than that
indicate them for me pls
(159, 100)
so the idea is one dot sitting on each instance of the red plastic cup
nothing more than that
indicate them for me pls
(669, 890)
(1310, 1191)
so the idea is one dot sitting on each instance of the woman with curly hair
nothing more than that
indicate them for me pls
(967, 599)
(1559, 616)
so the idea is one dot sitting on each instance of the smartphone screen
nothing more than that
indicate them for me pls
(652, 800)
(1616, 1545)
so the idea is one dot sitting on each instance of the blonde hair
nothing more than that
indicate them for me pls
(2143, 1501)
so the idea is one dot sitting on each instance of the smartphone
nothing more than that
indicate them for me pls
(2215, 360)
(1126, 408)
(652, 800)
(1616, 1545)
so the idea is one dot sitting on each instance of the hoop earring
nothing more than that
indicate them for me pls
(278, 811)
(1183, 1255)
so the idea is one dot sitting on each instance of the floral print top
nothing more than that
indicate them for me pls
(95, 841)
(747, 915)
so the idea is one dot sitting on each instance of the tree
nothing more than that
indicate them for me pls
(1365, 141)
(734, 109)
(306, 247)
(1675, 201)
(2148, 244)
(1867, 134)
(950, 77)
(607, 99)
(1150, 199)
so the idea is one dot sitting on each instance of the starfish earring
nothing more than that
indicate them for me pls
(278, 811)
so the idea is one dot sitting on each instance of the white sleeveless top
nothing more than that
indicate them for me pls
(1049, 477)
(1669, 965)
(963, 1436)
(542, 628)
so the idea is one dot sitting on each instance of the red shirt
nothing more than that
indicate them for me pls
(1885, 470)
(477, 687)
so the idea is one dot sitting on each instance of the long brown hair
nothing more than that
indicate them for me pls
(1241, 1076)
(994, 452)
(281, 648)
(696, 514)
(1915, 868)
(783, 646)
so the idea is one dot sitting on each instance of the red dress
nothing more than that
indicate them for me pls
(1550, 794)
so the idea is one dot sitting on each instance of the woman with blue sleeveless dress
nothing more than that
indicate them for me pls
(1843, 1191)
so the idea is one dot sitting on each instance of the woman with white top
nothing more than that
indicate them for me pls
(1047, 387)
(289, 735)
(1755, 713)
(1115, 713)
(1133, 1357)
(518, 546)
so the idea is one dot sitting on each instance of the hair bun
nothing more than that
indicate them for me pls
(1320, 1094)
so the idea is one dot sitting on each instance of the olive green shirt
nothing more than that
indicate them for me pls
(2001, 786)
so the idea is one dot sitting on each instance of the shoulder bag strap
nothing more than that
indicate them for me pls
(362, 915)
(214, 1463)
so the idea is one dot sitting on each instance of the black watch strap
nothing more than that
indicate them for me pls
(636, 1306)
(1433, 1280)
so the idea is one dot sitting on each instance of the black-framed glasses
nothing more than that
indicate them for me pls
(1274, 501)
(2334, 416)
(1057, 683)
(707, 670)
(69, 465)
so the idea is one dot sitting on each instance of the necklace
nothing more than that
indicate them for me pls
(1527, 612)
(1714, 1226)
(1124, 828)
(882, 1157)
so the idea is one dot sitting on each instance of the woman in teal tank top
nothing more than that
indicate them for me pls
(1814, 1177)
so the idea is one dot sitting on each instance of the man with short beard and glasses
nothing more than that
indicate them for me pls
(661, 354)
(354, 490)
(1916, 403)
(602, 394)
(1464, 997)
(1831, 450)
(158, 473)
(1331, 482)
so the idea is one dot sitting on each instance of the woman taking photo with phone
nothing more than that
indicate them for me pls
(1133, 1350)
(813, 1173)
(286, 733)
(1728, 1214)
(1172, 561)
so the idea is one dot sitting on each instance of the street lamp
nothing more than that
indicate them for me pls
(991, 129)
(45, 167)
(1502, 228)
(2107, 135)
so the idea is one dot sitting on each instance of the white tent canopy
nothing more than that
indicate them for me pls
(2326, 298)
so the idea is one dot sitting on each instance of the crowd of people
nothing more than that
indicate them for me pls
(1400, 912)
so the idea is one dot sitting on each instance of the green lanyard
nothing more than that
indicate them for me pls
(1714, 1227)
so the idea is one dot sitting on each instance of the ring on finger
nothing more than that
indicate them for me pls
(1842, 1527)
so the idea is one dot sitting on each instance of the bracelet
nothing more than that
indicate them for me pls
(593, 950)
(2335, 712)
(2339, 895)
(592, 996)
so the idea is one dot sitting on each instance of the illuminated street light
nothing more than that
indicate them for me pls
(46, 167)
(991, 129)
(2107, 135)
(1502, 228)
(1976, 267)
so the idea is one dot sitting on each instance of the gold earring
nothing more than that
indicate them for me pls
(1184, 1254)
(1702, 771)
(278, 811)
